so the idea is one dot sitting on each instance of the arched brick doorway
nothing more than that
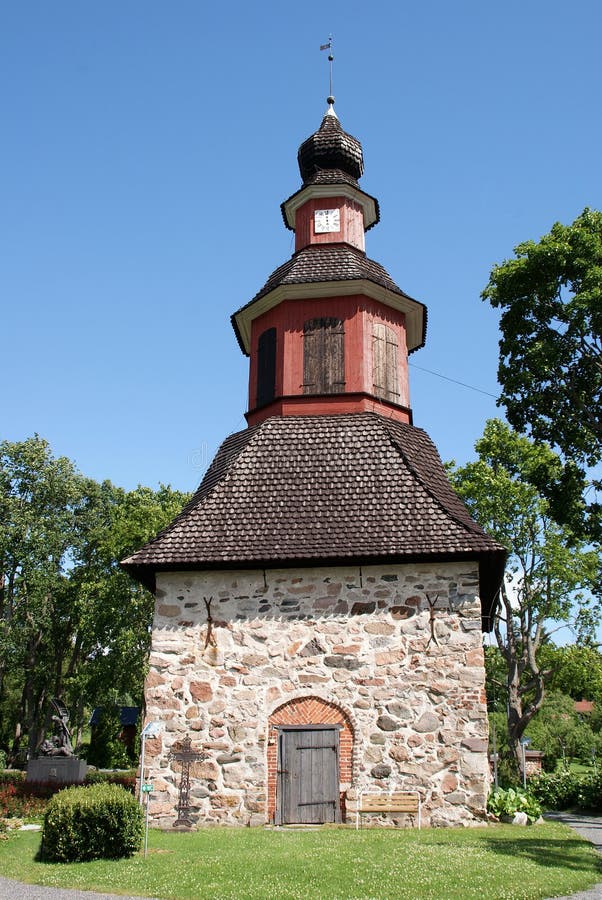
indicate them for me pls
(310, 741)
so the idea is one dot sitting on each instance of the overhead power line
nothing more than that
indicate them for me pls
(470, 387)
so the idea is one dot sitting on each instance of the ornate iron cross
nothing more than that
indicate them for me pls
(185, 756)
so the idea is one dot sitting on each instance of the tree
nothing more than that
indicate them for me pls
(41, 502)
(495, 679)
(550, 573)
(550, 364)
(111, 640)
(557, 731)
(72, 623)
(576, 670)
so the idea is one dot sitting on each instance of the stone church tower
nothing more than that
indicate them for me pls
(320, 601)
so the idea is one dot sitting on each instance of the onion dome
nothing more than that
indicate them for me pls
(330, 148)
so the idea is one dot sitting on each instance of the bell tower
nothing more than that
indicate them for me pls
(349, 584)
(330, 331)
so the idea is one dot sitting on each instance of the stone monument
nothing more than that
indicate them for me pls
(57, 762)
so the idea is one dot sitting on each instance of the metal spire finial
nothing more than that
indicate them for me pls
(328, 46)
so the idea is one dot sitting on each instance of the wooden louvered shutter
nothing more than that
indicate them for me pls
(266, 367)
(323, 356)
(384, 363)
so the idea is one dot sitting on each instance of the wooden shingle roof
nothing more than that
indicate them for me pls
(328, 263)
(330, 147)
(314, 490)
(332, 262)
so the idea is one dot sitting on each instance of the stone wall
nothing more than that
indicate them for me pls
(394, 654)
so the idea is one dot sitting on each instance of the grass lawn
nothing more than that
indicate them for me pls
(577, 768)
(372, 864)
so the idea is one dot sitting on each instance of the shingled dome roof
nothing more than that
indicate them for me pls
(330, 263)
(330, 148)
(316, 490)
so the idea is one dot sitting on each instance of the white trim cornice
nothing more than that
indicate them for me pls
(297, 200)
(315, 290)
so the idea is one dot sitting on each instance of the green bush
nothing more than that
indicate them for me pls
(126, 778)
(564, 790)
(102, 821)
(12, 776)
(557, 790)
(19, 797)
(507, 803)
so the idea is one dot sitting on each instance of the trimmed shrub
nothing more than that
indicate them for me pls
(19, 797)
(12, 776)
(102, 821)
(126, 779)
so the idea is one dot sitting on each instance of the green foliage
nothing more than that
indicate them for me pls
(556, 790)
(498, 722)
(550, 576)
(42, 508)
(575, 670)
(72, 623)
(17, 777)
(26, 799)
(566, 790)
(557, 731)
(508, 772)
(495, 679)
(107, 751)
(550, 365)
(508, 802)
(12, 776)
(99, 822)
(127, 779)
(499, 489)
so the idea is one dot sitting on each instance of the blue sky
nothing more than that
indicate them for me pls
(146, 147)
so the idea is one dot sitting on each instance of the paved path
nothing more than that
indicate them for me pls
(589, 827)
(16, 890)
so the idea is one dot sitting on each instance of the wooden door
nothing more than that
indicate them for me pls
(308, 776)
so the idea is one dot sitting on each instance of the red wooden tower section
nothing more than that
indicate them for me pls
(330, 331)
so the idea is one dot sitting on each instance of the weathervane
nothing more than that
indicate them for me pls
(328, 47)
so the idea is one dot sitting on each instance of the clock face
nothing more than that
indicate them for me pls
(326, 220)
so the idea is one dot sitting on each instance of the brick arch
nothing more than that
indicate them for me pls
(310, 710)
